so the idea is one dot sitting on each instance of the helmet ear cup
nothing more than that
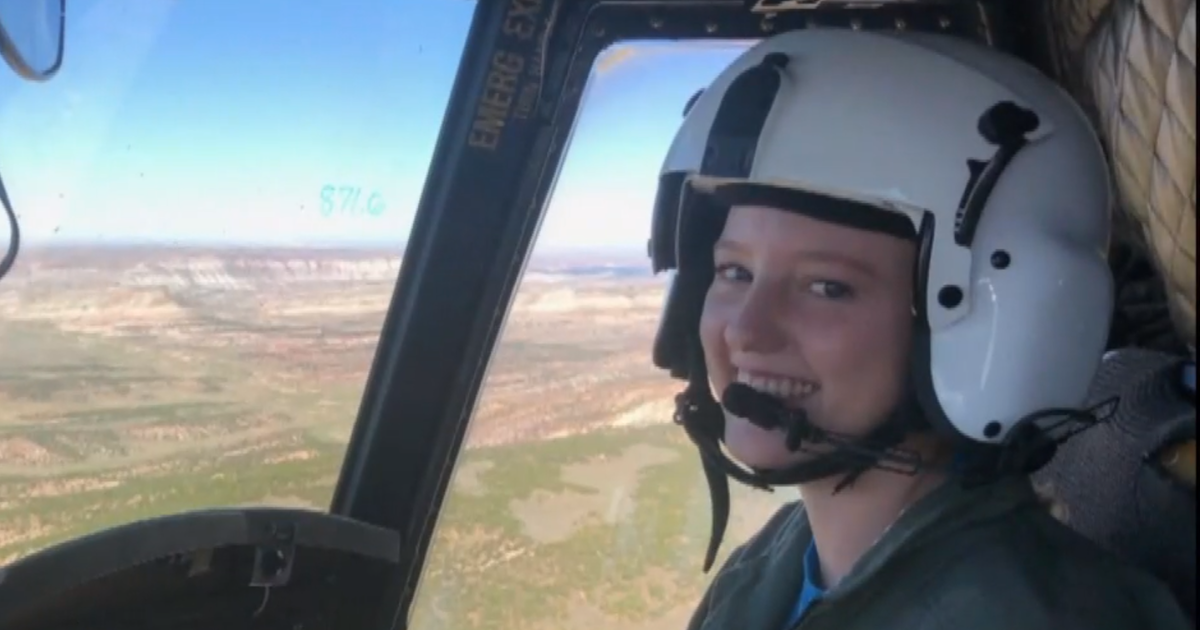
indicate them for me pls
(664, 222)
(679, 322)
(924, 399)
(696, 224)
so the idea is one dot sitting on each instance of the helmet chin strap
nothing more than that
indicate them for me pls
(703, 419)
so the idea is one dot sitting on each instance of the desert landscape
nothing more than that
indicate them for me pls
(140, 381)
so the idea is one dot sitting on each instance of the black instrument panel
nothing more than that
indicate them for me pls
(228, 569)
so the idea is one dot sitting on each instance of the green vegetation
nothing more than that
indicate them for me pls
(631, 569)
(560, 516)
(70, 506)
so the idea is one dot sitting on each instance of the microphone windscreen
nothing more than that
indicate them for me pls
(753, 405)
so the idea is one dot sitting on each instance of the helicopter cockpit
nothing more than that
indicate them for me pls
(341, 317)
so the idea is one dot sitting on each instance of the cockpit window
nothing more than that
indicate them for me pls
(214, 197)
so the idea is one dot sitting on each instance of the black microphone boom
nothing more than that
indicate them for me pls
(762, 409)
(769, 412)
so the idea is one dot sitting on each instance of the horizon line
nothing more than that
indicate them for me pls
(631, 250)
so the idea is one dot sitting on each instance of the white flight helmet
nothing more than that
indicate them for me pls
(991, 166)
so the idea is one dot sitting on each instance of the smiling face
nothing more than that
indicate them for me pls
(812, 312)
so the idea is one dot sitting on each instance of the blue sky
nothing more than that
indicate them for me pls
(222, 120)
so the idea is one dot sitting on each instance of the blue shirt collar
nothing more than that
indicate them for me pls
(812, 590)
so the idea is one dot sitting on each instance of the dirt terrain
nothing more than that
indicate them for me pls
(136, 382)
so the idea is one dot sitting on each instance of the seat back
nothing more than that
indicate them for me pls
(1125, 483)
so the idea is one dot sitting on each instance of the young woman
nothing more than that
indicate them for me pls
(888, 254)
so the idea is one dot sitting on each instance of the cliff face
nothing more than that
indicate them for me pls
(121, 287)
(253, 268)
(142, 289)
(233, 269)
(164, 290)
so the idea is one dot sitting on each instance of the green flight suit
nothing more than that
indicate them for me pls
(991, 558)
